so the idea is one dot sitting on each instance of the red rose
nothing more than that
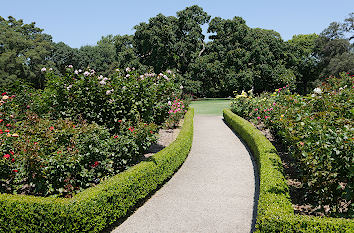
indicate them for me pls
(11, 152)
(96, 163)
(15, 170)
(6, 156)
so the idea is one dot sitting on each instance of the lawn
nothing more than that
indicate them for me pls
(210, 106)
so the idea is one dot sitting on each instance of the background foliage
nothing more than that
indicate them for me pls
(236, 57)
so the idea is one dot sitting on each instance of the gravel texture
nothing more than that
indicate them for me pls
(214, 191)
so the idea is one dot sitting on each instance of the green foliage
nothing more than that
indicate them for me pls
(63, 55)
(176, 112)
(334, 50)
(126, 96)
(239, 57)
(97, 207)
(318, 131)
(339, 63)
(24, 51)
(45, 157)
(303, 61)
(274, 211)
(171, 42)
(81, 129)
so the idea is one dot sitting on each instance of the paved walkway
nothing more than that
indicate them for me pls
(214, 190)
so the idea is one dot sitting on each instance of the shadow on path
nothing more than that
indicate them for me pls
(256, 176)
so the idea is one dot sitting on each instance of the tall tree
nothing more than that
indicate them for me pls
(24, 50)
(126, 55)
(334, 48)
(63, 55)
(171, 42)
(241, 58)
(303, 60)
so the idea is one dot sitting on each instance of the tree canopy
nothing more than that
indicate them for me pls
(171, 42)
(235, 58)
(24, 50)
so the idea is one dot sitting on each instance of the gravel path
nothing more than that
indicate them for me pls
(214, 191)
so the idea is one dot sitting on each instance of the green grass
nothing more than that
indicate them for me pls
(210, 106)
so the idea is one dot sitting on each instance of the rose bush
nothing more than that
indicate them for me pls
(126, 96)
(81, 129)
(46, 157)
(177, 110)
(318, 131)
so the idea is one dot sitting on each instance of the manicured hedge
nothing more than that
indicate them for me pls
(96, 207)
(275, 212)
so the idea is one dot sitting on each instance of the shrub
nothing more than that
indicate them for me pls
(176, 112)
(43, 157)
(95, 208)
(125, 96)
(274, 210)
(318, 131)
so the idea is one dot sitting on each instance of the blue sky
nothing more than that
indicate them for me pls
(84, 22)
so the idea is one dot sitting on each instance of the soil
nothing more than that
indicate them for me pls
(165, 138)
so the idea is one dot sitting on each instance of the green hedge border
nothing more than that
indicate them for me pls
(96, 208)
(275, 212)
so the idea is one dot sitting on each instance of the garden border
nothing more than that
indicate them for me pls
(275, 212)
(97, 207)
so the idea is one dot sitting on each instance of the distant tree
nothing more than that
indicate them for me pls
(334, 48)
(110, 53)
(348, 26)
(340, 63)
(126, 55)
(24, 50)
(97, 57)
(63, 55)
(241, 58)
(269, 55)
(154, 42)
(303, 60)
(190, 38)
(338, 30)
(171, 42)
(88, 56)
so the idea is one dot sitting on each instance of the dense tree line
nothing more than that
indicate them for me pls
(235, 58)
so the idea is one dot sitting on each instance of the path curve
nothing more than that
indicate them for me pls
(213, 191)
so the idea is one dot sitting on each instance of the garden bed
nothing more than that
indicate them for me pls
(94, 208)
(275, 212)
(316, 132)
(292, 174)
(165, 137)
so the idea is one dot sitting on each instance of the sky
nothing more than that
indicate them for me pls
(84, 22)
